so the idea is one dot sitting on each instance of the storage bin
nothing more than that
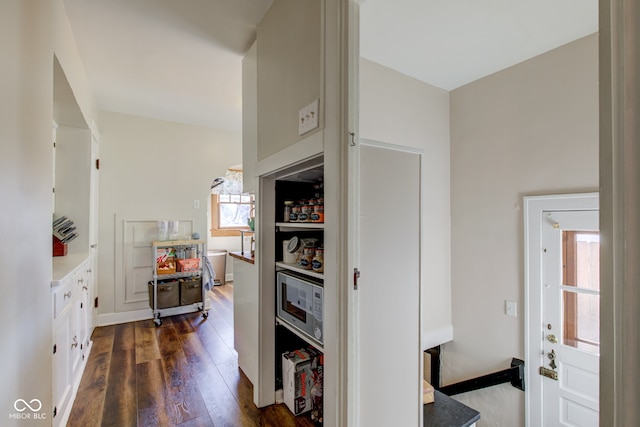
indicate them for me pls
(218, 259)
(168, 294)
(166, 267)
(190, 290)
(188, 265)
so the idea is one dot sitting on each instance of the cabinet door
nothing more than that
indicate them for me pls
(87, 297)
(79, 280)
(245, 317)
(83, 311)
(62, 362)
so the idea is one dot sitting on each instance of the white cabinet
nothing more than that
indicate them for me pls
(62, 333)
(72, 327)
(75, 177)
(245, 317)
(80, 324)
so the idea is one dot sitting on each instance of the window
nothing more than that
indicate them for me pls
(581, 290)
(230, 213)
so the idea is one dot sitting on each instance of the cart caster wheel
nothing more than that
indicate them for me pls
(205, 314)
(158, 322)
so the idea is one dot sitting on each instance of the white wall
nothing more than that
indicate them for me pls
(150, 170)
(290, 71)
(398, 109)
(530, 129)
(26, 82)
(30, 32)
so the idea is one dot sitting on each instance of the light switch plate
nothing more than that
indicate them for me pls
(308, 118)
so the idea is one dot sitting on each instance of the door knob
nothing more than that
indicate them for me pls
(552, 338)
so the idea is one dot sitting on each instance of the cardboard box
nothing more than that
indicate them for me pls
(427, 392)
(297, 380)
(162, 254)
(317, 375)
(188, 265)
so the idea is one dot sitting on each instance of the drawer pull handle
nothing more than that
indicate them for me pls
(67, 295)
(84, 288)
(75, 342)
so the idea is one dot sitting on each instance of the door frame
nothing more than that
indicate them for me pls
(534, 207)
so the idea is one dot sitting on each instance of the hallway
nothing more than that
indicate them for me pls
(183, 373)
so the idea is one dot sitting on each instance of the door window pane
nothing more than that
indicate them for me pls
(588, 261)
(582, 321)
(581, 306)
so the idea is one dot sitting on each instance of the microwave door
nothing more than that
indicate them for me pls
(294, 301)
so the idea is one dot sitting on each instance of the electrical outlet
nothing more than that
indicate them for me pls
(510, 308)
(308, 118)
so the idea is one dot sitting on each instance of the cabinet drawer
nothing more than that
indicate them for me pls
(62, 297)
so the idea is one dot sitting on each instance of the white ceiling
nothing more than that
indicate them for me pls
(449, 43)
(181, 60)
(176, 60)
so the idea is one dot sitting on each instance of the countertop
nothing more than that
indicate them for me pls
(447, 412)
(243, 256)
(63, 265)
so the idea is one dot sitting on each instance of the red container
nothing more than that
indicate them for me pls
(59, 248)
(188, 265)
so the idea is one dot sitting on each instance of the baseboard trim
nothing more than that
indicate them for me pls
(107, 319)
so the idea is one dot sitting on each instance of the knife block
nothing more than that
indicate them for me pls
(59, 248)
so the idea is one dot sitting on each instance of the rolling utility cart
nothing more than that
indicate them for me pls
(177, 286)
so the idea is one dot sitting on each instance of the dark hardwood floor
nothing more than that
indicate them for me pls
(183, 373)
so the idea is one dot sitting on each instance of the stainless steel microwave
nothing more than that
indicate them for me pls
(300, 303)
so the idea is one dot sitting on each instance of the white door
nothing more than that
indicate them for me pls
(388, 295)
(570, 314)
